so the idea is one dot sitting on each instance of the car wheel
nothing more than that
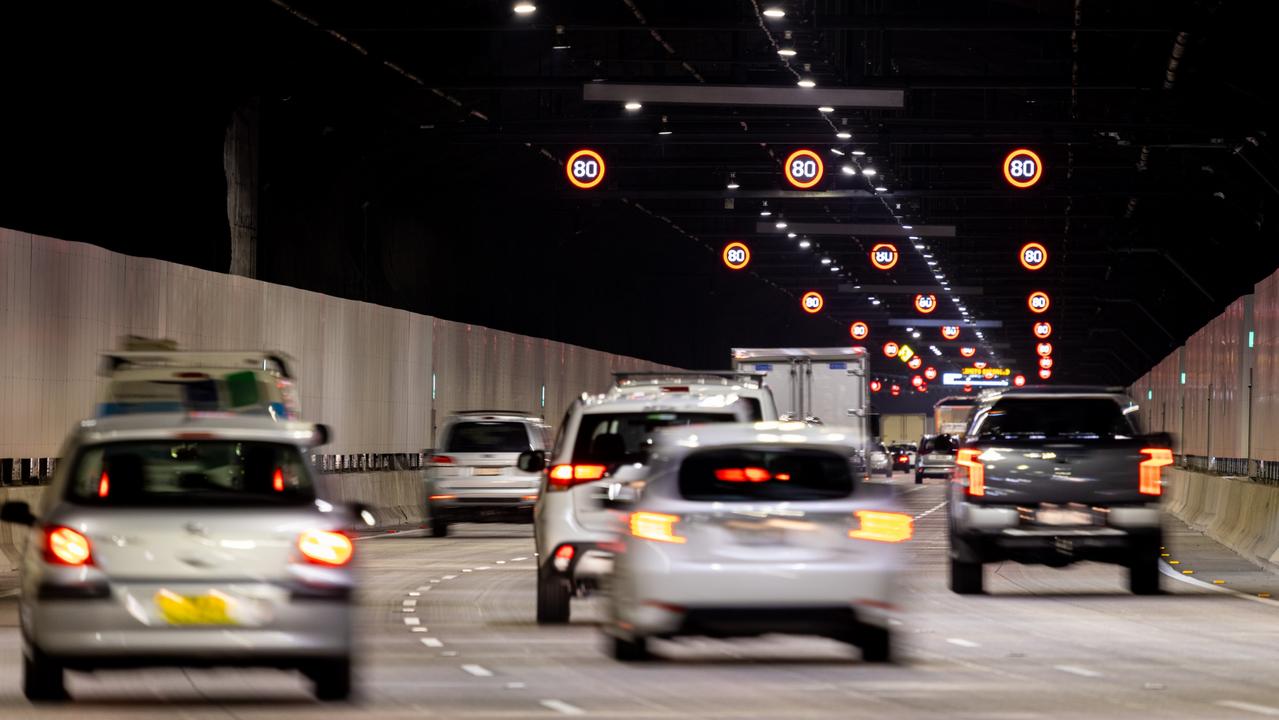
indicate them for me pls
(42, 679)
(635, 650)
(439, 526)
(919, 478)
(876, 644)
(888, 473)
(966, 577)
(332, 679)
(553, 594)
(1143, 569)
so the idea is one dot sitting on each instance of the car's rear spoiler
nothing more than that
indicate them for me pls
(271, 361)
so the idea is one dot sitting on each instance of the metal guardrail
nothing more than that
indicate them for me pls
(19, 472)
(1262, 471)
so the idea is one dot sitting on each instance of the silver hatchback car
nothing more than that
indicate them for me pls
(185, 540)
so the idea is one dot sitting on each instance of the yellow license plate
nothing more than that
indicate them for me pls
(488, 471)
(193, 609)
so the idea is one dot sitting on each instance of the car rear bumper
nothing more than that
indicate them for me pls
(485, 507)
(936, 470)
(835, 621)
(991, 533)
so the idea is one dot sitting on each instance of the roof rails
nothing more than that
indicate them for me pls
(268, 360)
(696, 377)
(495, 412)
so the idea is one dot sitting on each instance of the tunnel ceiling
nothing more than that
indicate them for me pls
(1152, 120)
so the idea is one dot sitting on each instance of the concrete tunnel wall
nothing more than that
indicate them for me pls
(380, 377)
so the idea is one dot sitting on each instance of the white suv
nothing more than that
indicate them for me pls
(573, 532)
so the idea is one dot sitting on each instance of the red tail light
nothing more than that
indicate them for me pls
(1150, 478)
(440, 460)
(104, 485)
(64, 546)
(323, 547)
(903, 458)
(883, 526)
(277, 480)
(656, 526)
(967, 458)
(563, 477)
(750, 474)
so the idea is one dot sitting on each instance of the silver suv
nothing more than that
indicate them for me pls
(472, 477)
(574, 534)
(185, 540)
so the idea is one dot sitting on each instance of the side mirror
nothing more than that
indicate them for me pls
(363, 513)
(1158, 439)
(17, 512)
(322, 436)
(531, 461)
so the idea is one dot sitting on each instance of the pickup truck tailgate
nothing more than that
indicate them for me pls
(1091, 472)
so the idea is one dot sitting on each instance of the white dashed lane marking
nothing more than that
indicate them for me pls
(478, 670)
(962, 642)
(1249, 707)
(412, 621)
(1076, 670)
(931, 510)
(562, 707)
(432, 642)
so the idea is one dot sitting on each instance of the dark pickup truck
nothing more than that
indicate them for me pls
(1054, 476)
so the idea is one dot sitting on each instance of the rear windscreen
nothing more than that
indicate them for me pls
(488, 437)
(190, 473)
(759, 476)
(616, 438)
(1053, 417)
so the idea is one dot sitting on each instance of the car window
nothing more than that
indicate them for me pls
(754, 475)
(616, 438)
(190, 474)
(1052, 417)
(488, 437)
(754, 409)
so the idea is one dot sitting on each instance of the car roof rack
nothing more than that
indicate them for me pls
(269, 360)
(695, 377)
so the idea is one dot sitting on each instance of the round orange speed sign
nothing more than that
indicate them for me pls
(859, 330)
(736, 255)
(1033, 256)
(883, 256)
(585, 169)
(1022, 168)
(1043, 330)
(1038, 301)
(812, 302)
(950, 332)
(925, 303)
(804, 168)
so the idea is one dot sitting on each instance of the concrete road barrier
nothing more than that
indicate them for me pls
(397, 498)
(12, 536)
(1241, 514)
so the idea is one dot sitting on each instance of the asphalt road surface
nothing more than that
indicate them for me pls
(448, 631)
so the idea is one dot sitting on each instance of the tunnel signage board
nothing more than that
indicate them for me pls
(812, 302)
(1022, 168)
(972, 380)
(736, 255)
(1038, 301)
(925, 303)
(884, 256)
(803, 169)
(859, 330)
(1033, 256)
(1043, 330)
(585, 169)
(982, 370)
(905, 353)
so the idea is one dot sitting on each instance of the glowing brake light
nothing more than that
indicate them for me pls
(903, 458)
(656, 526)
(323, 547)
(1151, 483)
(750, 474)
(277, 480)
(967, 458)
(104, 485)
(563, 477)
(883, 526)
(440, 460)
(64, 546)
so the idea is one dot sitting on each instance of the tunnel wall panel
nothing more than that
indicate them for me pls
(1265, 374)
(364, 369)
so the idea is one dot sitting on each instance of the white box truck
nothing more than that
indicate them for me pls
(825, 384)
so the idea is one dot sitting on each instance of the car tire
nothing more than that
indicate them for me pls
(1143, 569)
(553, 595)
(966, 578)
(439, 527)
(876, 644)
(888, 473)
(919, 478)
(332, 679)
(630, 650)
(42, 679)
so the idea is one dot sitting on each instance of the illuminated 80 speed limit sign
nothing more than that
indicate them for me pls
(1022, 168)
(804, 168)
(812, 302)
(585, 169)
(1033, 256)
(1038, 301)
(736, 255)
(883, 256)
(925, 303)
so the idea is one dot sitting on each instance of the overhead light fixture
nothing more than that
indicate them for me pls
(633, 105)
(835, 269)
(880, 188)
(869, 172)
(790, 235)
(826, 261)
(561, 42)
(908, 227)
(826, 109)
(932, 262)
(765, 213)
(807, 83)
(786, 52)
(780, 225)
(919, 247)
(913, 237)
(915, 334)
(775, 13)
(848, 170)
(843, 135)
(928, 256)
(664, 129)
(874, 302)
(837, 151)
(805, 244)
(732, 181)
(524, 8)
(664, 132)
(859, 153)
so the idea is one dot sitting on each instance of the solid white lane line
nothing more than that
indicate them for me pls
(1249, 707)
(1076, 670)
(1168, 570)
(962, 642)
(562, 707)
(931, 510)
(518, 559)
(389, 534)
(412, 621)
(478, 670)
(432, 642)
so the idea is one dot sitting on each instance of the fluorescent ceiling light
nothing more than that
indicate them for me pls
(632, 105)
(843, 135)
(868, 172)
(826, 109)
(859, 153)
(524, 8)
(805, 244)
(786, 52)
(774, 12)
(807, 83)
(848, 170)
(880, 188)
(837, 151)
